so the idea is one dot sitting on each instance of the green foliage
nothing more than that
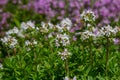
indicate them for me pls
(42, 62)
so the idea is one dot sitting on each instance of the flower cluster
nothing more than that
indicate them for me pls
(23, 27)
(65, 54)
(108, 30)
(30, 43)
(66, 23)
(11, 35)
(12, 31)
(88, 16)
(46, 27)
(86, 35)
(62, 39)
(94, 33)
(27, 25)
(60, 32)
(10, 41)
(105, 31)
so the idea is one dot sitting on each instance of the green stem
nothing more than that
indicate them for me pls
(91, 56)
(14, 51)
(92, 3)
(107, 54)
(66, 68)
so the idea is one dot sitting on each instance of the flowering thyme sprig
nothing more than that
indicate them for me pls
(88, 16)
(96, 33)
(9, 41)
(62, 40)
(108, 30)
(30, 44)
(65, 54)
(27, 25)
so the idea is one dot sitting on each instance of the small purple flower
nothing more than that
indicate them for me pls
(61, 4)
(3, 2)
(104, 11)
(74, 38)
(116, 41)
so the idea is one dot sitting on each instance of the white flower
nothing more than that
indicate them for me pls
(96, 33)
(66, 78)
(10, 41)
(115, 30)
(34, 42)
(62, 39)
(20, 34)
(28, 49)
(65, 40)
(43, 24)
(74, 78)
(31, 24)
(30, 44)
(27, 25)
(44, 27)
(15, 30)
(57, 43)
(59, 28)
(64, 54)
(88, 15)
(89, 25)
(27, 42)
(50, 35)
(50, 25)
(23, 26)
(108, 30)
(37, 28)
(1, 66)
(86, 35)
(13, 43)
(66, 23)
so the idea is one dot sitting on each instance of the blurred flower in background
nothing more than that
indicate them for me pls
(3, 15)
(106, 11)
(3, 2)
(60, 8)
(116, 41)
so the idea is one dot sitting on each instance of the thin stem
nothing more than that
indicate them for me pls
(14, 51)
(107, 54)
(66, 68)
(92, 3)
(91, 56)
